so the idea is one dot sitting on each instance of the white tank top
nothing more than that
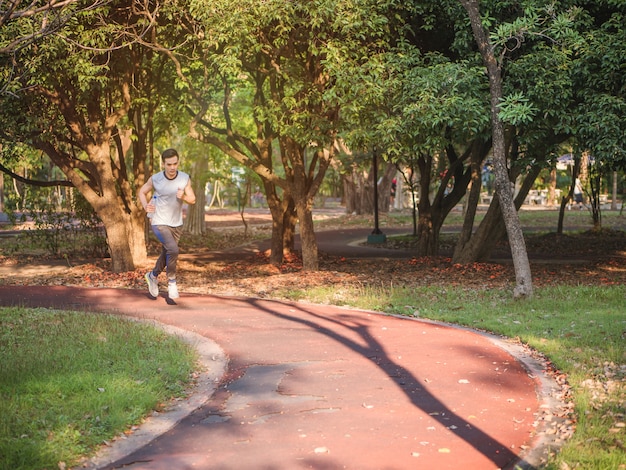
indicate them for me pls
(169, 209)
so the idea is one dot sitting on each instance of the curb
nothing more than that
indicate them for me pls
(213, 363)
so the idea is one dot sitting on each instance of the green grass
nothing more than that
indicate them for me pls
(582, 330)
(545, 219)
(69, 381)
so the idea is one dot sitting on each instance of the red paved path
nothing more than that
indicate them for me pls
(323, 387)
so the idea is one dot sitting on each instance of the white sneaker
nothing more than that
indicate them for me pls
(172, 290)
(153, 284)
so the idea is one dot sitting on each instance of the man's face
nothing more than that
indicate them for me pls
(171, 166)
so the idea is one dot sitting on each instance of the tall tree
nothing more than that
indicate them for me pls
(600, 88)
(441, 121)
(423, 111)
(523, 275)
(276, 54)
(562, 82)
(87, 85)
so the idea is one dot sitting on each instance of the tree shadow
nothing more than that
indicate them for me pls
(404, 379)
(351, 331)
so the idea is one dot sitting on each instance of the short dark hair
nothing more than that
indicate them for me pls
(169, 153)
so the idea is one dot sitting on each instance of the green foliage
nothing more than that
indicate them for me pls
(292, 56)
(69, 381)
(515, 109)
(600, 82)
(543, 79)
(415, 101)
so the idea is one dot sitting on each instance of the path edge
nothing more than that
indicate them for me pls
(213, 364)
(549, 394)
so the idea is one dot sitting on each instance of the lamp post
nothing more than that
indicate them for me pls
(3, 216)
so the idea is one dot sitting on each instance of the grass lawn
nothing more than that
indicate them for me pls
(70, 381)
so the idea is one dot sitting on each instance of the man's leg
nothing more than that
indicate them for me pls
(168, 236)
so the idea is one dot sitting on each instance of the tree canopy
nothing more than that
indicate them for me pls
(280, 87)
(281, 58)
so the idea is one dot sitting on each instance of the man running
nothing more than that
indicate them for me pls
(170, 188)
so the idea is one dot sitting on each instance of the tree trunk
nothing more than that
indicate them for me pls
(492, 228)
(277, 209)
(120, 237)
(310, 260)
(428, 235)
(451, 190)
(595, 182)
(2, 190)
(366, 197)
(216, 195)
(290, 219)
(358, 186)
(428, 226)
(195, 221)
(242, 200)
(479, 246)
(552, 188)
(523, 276)
(426, 238)
(123, 222)
(110, 198)
(304, 183)
(613, 193)
(352, 182)
(384, 188)
(565, 200)
(473, 199)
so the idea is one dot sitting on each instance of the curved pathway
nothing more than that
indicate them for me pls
(294, 386)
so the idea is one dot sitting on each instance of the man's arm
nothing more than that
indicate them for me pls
(188, 195)
(143, 194)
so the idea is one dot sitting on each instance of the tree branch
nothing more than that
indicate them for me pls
(40, 184)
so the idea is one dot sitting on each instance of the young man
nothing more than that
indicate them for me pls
(170, 188)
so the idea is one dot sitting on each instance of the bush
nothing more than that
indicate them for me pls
(69, 232)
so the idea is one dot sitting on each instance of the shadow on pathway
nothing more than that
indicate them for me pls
(309, 386)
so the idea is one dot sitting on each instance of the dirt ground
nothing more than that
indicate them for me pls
(585, 258)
